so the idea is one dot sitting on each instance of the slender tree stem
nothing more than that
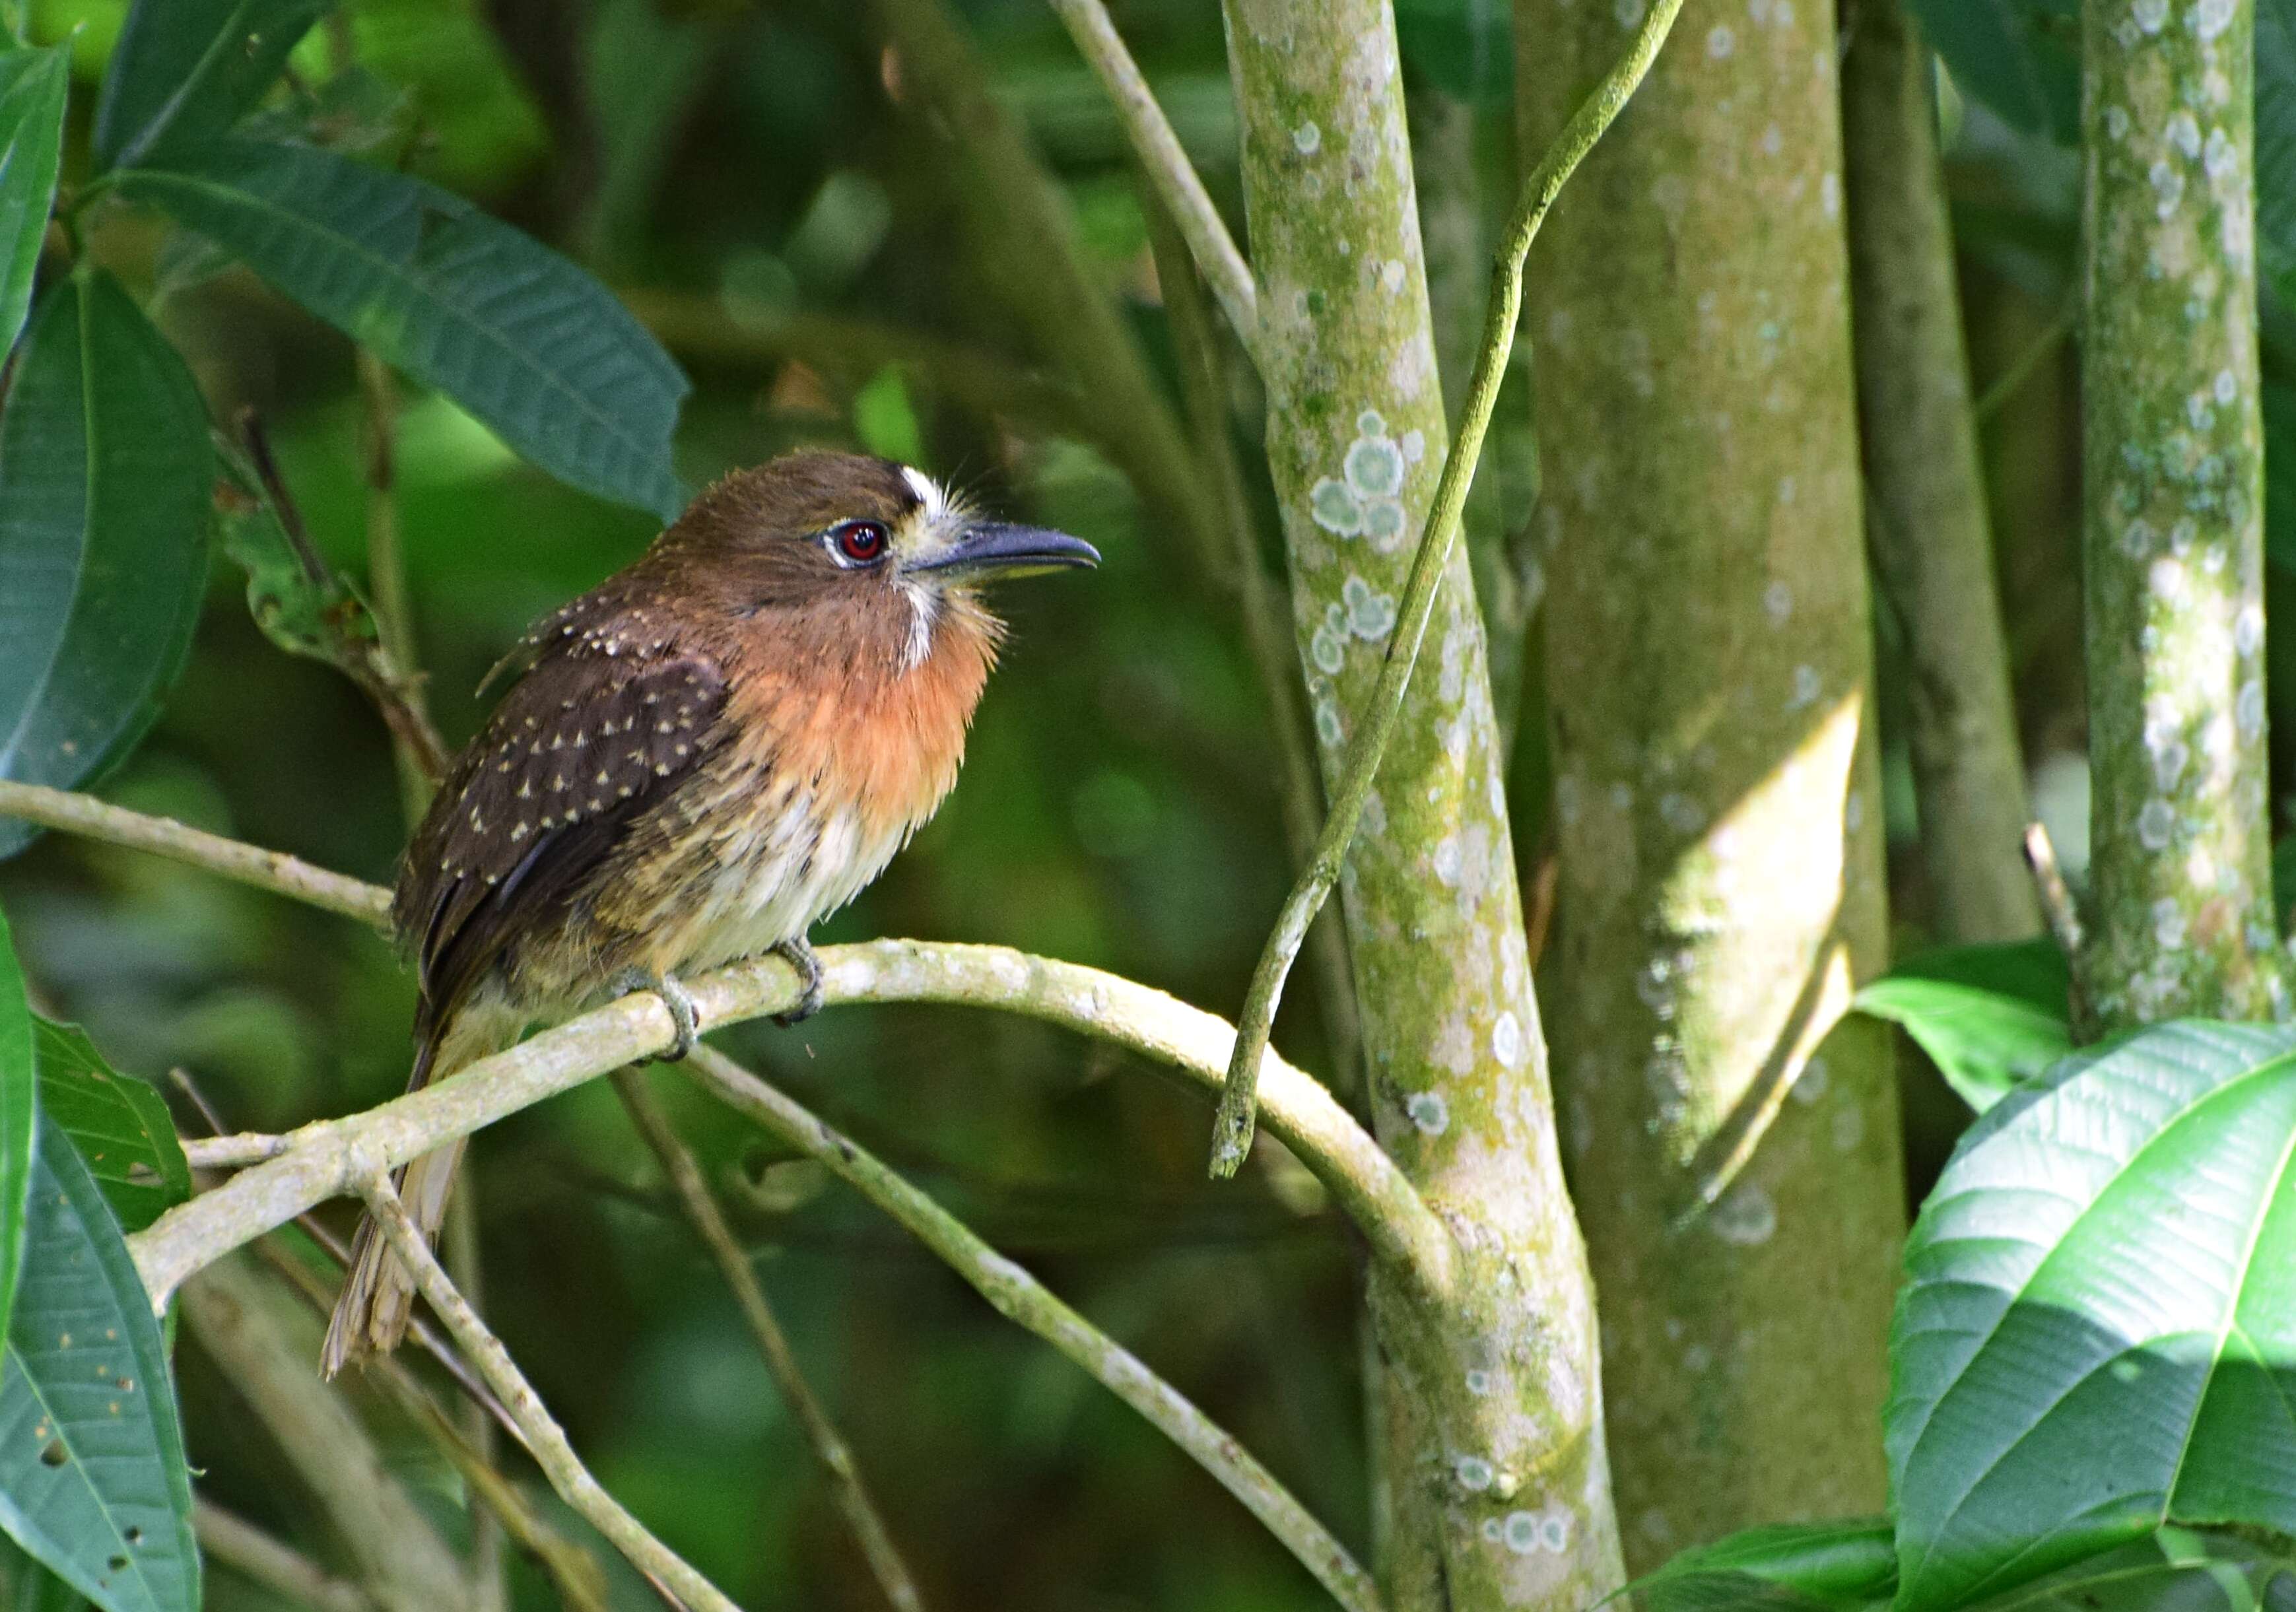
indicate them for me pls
(1232, 1127)
(1022, 1299)
(255, 1556)
(1931, 539)
(1167, 167)
(830, 1449)
(545, 1439)
(386, 576)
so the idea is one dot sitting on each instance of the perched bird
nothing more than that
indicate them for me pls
(700, 758)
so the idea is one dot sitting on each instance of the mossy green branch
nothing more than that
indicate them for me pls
(2173, 440)
(1232, 1127)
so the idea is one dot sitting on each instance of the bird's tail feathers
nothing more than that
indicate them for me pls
(378, 1296)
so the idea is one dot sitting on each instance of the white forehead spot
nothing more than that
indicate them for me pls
(927, 492)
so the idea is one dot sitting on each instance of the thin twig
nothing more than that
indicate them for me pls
(2063, 917)
(272, 870)
(829, 1446)
(420, 759)
(322, 1299)
(262, 1560)
(543, 1435)
(1267, 636)
(1167, 167)
(1231, 1129)
(1019, 1297)
(388, 681)
(232, 1152)
(2011, 380)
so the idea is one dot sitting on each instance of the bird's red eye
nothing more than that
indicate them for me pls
(860, 541)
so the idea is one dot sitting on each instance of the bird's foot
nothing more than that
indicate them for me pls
(798, 954)
(674, 996)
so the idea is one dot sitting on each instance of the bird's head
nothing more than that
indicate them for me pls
(861, 538)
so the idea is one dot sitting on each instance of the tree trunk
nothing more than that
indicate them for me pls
(1732, 1139)
(1499, 1493)
(1932, 547)
(2173, 440)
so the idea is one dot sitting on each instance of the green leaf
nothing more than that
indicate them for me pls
(32, 85)
(185, 70)
(93, 1479)
(883, 419)
(1988, 1016)
(104, 480)
(523, 340)
(1802, 1565)
(119, 1124)
(2098, 1332)
(2022, 58)
(18, 1061)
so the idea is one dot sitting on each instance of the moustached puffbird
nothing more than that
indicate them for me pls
(700, 758)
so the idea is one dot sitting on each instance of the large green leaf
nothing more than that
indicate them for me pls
(18, 1061)
(185, 70)
(2022, 58)
(93, 1479)
(2098, 1332)
(119, 1124)
(1988, 1016)
(32, 85)
(522, 339)
(1778, 1569)
(105, 475)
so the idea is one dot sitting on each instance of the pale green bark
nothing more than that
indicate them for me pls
(1933, 546)
(1732, 1139)
(1497, 1487)
(2173, 441)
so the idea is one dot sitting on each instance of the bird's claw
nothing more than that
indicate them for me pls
(798, 954)
(677, 998)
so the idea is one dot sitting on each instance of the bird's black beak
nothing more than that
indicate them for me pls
(993, 547)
